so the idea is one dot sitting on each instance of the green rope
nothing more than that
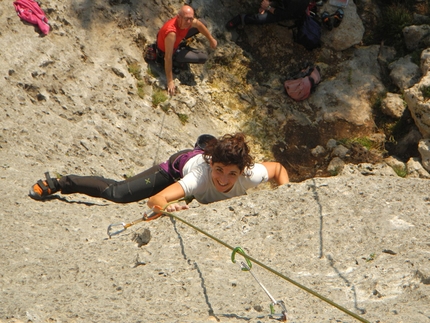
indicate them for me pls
(240, 251)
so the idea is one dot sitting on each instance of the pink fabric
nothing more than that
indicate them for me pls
(30, 11)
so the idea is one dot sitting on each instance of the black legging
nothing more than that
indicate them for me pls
(288, 9)
(133, 189)
(136, 188)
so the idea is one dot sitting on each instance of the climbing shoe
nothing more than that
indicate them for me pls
(327, 20)
(337, 17)
(42, 189)
(237, 21)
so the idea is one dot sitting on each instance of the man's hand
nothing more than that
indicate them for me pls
(205, 32)
(213, 43)
(171, 87)
(264, 4)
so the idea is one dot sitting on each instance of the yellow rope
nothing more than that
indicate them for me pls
(239, 251)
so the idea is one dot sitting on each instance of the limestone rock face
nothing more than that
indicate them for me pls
(81, 100)
(416, 36)
(425, 61)
(393, 105)
(404, 73)
(346, 97)
(359, 240)
(419, 106)
(424, 149)
(351, 32)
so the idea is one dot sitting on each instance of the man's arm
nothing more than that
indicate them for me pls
(277, 172)
(205, 32)
(169, 42)
(266, 5)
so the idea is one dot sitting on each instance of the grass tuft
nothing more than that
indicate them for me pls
(371, 257)
(401, 171)
(362, 141)
(183, 118)
(159, 96)
(335, 171)
(134, 69)
(141, 89)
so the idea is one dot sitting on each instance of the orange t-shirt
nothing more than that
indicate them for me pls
(171, 26)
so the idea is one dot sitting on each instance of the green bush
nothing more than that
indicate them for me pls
(425, 90)
(393, 19)
(408, 4)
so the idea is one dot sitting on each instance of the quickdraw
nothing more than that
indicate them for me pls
(151, 216)
(247, 267)
(148, 215)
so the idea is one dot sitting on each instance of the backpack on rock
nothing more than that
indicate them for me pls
(303, 84)
(307, 31)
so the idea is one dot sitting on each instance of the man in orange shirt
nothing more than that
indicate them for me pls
(183, 26)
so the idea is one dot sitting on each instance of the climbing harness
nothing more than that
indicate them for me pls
(247, 267)
(247, 257)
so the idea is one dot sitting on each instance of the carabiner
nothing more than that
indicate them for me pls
(110, 234)
(124, 226)
(283, 316)
(240, 250)
(149, 215)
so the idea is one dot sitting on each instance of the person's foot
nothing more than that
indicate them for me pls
(42, 189)
(235, 22)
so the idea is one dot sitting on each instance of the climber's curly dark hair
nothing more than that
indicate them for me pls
(230, 149)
